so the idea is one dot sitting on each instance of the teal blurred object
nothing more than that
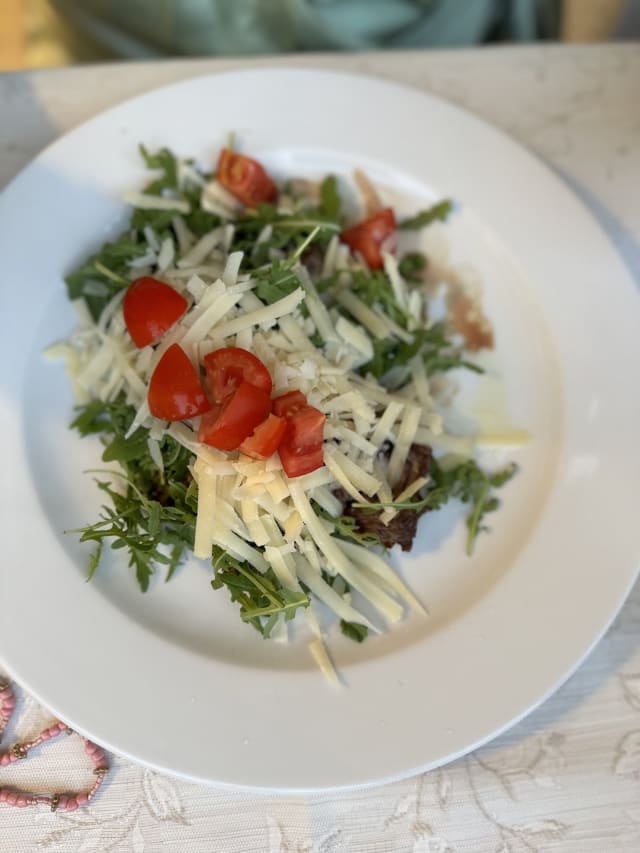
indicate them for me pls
(144, 28)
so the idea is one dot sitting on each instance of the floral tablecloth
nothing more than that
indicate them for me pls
(565, 779)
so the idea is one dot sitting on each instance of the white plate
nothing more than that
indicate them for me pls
(173, 679)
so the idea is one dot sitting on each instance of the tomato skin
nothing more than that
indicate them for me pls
(175, 391)
(368, 236)
(301, 449)
(288, 404)
(229, 366)
(245, 178)
(265, 439)
(226, 426)
(150, 308)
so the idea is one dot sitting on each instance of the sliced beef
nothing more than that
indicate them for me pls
(313, 260)
(401, 530)
(417, 464)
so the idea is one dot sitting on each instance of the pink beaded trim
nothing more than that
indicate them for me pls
(67, 802)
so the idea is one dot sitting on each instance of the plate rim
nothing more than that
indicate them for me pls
(59, 145)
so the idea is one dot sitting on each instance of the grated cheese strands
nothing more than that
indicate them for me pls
(206, 509)
(406, 437)
(317, 310)
(151, 238)
(216, 199)
(155, 453)
(312, 342)
(460, 445)
(282, 570)
(413, 488)
(371, 561)
(340, 475)
(365, 482)
(232, 268)
(327, 595)
(294, 526)
(384, 428)
(332, 550)
(266, 314)
(397, 282)
(109, 311)
(335, 429)
(368, 318)
(183, 234)
(506, 438)
(355, 337)
(156, 202)
(200, 250)
(321, 656)
(166, 255)
(210, 318)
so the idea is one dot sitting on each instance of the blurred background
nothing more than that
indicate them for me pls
(48, 33)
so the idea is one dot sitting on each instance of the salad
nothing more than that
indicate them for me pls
(267, 370)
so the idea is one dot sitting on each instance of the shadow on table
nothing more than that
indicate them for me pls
(627, 246)
(604, 664)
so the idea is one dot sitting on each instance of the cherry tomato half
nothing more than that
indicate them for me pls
(227, 425)
(367, 237)
(175, 391)
(288, 404)
(150, 308)
(229, 366)
(245, 178)
(301, 449)
(265, 439)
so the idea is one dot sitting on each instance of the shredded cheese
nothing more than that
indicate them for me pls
(156, 202)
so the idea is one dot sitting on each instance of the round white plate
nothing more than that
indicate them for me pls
(173, 679)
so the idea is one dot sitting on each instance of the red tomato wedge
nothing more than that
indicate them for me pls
(175, 390)
(228, 367)
(245, 178)
(288, 404)
(226, 426)
(265, 439)
(150, 308)
(301, 449)
(367, 237)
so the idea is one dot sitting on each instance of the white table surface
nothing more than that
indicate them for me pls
(565, 779)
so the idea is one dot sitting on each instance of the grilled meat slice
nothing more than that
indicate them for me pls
(401, 530)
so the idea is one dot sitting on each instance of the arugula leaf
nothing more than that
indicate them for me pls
(275, 281)
(104, 274)
(440, 211)
(330, 198)
(411, 264)
(346, 527)
(374, 288)
(433, 346)
(354, 631)
(155, 510)
(166, 162)
(200, 221)
(288, 232)
(261, 596)
(153, 517)
(94, 561)
(123, 449)
(465, 481)
(159, 220)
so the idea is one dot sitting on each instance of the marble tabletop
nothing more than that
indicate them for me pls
(565, 779)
